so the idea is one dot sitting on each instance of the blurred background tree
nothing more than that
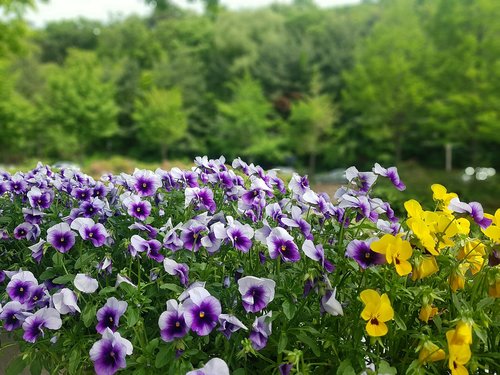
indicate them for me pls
(393, 81)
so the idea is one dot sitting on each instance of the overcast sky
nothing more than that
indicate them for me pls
(103, 9)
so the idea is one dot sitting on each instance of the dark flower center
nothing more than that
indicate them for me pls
(35, 298)
(39, 201)
(397, 261)
(374, 321)
(455, 366)
(367, 255)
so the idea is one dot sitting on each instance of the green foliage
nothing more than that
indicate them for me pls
(161, 119)
(245, 127)
(78, 107)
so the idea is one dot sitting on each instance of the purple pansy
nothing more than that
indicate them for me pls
(151, 247)
(392, 174)
(20, 286)
(256, 292)
(11, 315)
(177, 269)
(230, 324)
(61, 237)
(22, 231)
(136, 207)
(215, 366)
(297, 221)
(201, 311)
(34, 325)
(37, 250)
(39, 199)
(109, 315)
(330, 304)
(285, 368)
(363, 180)
(474, 209)
(361, 252)
(202, 198)
(261, 330)
(238, 234)
(298, 185)
(171, 322)
(38, 297)
(317, 253)
(191, 234)
(280, 243)
(108, 354)
(145, 182)
(90, 231)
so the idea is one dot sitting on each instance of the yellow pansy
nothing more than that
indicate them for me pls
(457, 277)
(427, 312)
(424, 267)
(413, 208)
(423, 234)
(493, 231)
(473, 254)
(430, 352)
(459, 354)
(396, 251)
(377, 311)
(442, 197)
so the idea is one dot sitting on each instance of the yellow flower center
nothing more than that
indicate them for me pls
(283, 247)
(177, 324)
(202, 314)
(144, 185)
(21, 289)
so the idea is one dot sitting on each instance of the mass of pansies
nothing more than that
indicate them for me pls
(228, 269)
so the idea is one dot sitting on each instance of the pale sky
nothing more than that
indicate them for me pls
(104, 9)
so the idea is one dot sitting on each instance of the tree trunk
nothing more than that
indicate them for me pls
(163, 150)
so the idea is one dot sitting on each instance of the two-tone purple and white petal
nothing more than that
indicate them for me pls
(297, 221)
(239, 235)
(45, 318)
(21, 285)
(330, 304)
(151, 247)
(202, 198)
(474, 209)
(109, 315)
(201, 311)
(363, 180)
(230, 324)
(136, 207)
(11, 315)
(145, 182)
(108, 354)
(317, 253)
(172, 323)
(261, 330)
(391, 173)
(280, 244)
(61, 237)
(177, 269)
(90, 231)
(256, 292)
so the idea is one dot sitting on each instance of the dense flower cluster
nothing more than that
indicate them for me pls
(219, 269)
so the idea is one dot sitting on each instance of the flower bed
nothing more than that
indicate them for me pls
(230, 270)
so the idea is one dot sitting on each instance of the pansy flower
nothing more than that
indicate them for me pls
(84, 283)
(201, 311)
(237, 234)
(177, 269)
(11, 315)
(20, 286)
(376, 312)
(90, 231)
(317, 253)
(361, 252)
(280, 244)
(108, 354)
(35, 324)
(109, 315)
(172, 323)
(136, 207)
(151, 247)
(392, 174)
(61, 237)
(396, 250)
(261, 330)
(256, 292)
(230, 324)
(65, 301)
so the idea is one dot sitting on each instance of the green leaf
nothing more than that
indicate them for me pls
(58, 259)
(63, 279)
(309, 342)
(485, 302)
(163, 357)
(107, 290)
(282, 342)
(74, 360)
(173, 287)
(289, 309)
(16, 366)
(36, 367)
(240, 371)
(49, 273)
(437, 321)
(346, 368)
(386, 369)
(132, 316)
(88, 315)
(152, 345)
(399, 322)
(483, 336)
